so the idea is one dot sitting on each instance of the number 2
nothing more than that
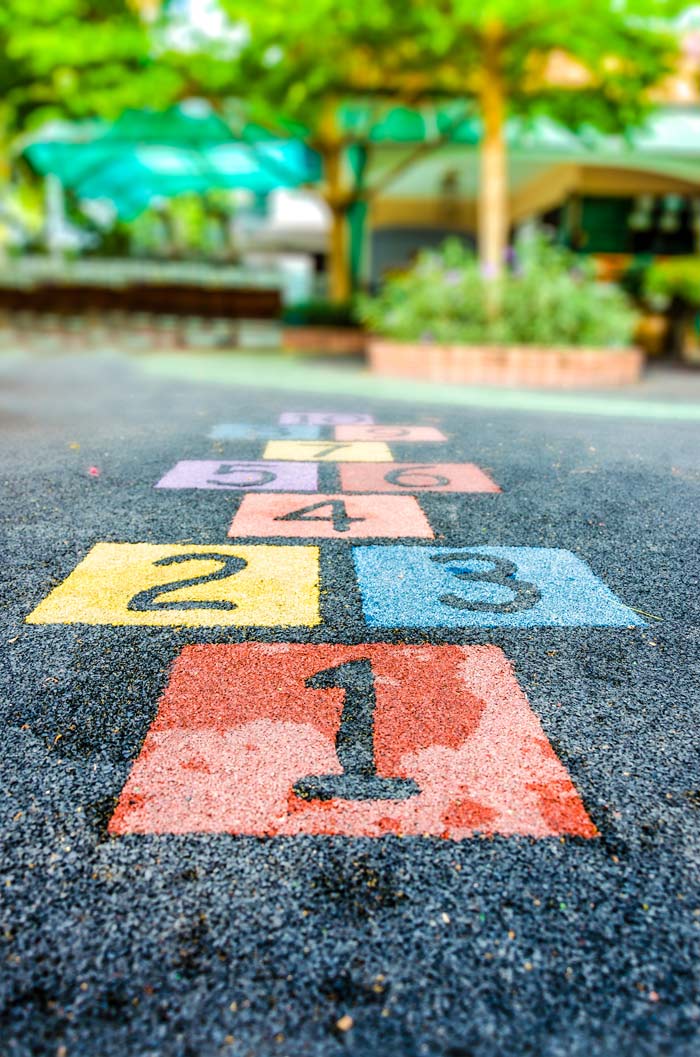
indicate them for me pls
(150, 599)
(354, 743)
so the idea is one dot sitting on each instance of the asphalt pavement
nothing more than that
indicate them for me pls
(506, 931)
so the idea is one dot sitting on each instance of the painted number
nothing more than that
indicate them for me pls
(416, 477)
(354, 743)
(387, 432)
(502, 572)
(330, 449)
(247, 477)
(338, 514)
(151, 598)
(142, 584)
(271, 720)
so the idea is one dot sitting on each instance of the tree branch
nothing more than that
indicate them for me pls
(413, 156)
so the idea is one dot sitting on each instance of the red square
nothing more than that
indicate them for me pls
(273, 740)
(412, 477)
(414, 434)
(330, 516)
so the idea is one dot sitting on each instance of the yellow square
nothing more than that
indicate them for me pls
(328, 451)
(211, 586)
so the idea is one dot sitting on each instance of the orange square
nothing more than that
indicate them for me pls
(279, 740)
(411, 477)
(330, 516)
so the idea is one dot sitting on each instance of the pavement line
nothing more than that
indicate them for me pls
(281, 373)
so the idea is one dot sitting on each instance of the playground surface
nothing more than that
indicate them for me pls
(346, 717)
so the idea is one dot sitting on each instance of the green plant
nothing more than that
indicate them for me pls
(634, 278)
(676, 280)
(548, 296)
(321, 313)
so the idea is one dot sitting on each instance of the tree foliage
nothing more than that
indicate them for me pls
(76, 59)
(584, 63)
(295, 68)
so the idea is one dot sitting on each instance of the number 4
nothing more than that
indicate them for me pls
(338, 515)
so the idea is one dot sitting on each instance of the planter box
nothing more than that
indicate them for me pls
(336, 341)
(510, 365)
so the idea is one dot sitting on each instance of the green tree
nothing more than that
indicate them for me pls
(588, 65)
(75, 59)
(327, 72)
(297, 67)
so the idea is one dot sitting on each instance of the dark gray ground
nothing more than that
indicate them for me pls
(199, 946)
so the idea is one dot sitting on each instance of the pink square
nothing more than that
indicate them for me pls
(322, 418)
(411, 477)
(415, 434)
(330, 517)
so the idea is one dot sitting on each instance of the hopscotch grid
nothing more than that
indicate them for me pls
(342, 561)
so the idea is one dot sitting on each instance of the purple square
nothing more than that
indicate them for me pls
(242, 475)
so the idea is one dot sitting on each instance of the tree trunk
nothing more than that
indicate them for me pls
(339, 283)
(338, 261)
(493, 190)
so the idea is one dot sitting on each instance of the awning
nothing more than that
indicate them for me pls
(147, 154)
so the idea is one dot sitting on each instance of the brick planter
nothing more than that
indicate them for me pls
(511, 365)
(336, 341)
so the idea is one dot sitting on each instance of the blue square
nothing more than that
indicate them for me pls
(249, 431)
(484, 587)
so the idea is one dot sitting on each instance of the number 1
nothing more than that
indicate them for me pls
(354, 743)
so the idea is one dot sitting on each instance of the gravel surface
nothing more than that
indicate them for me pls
(312, 946)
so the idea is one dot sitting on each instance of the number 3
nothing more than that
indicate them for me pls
(503, 573)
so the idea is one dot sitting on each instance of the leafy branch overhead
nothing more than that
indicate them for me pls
(330, 72)
(76, 59)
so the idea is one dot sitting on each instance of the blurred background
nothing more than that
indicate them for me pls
(392, 181)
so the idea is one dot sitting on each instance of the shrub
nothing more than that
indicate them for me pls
(320, 313)
(674, 280)
(547, 296)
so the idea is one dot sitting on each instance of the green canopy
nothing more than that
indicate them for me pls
(149, 154)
